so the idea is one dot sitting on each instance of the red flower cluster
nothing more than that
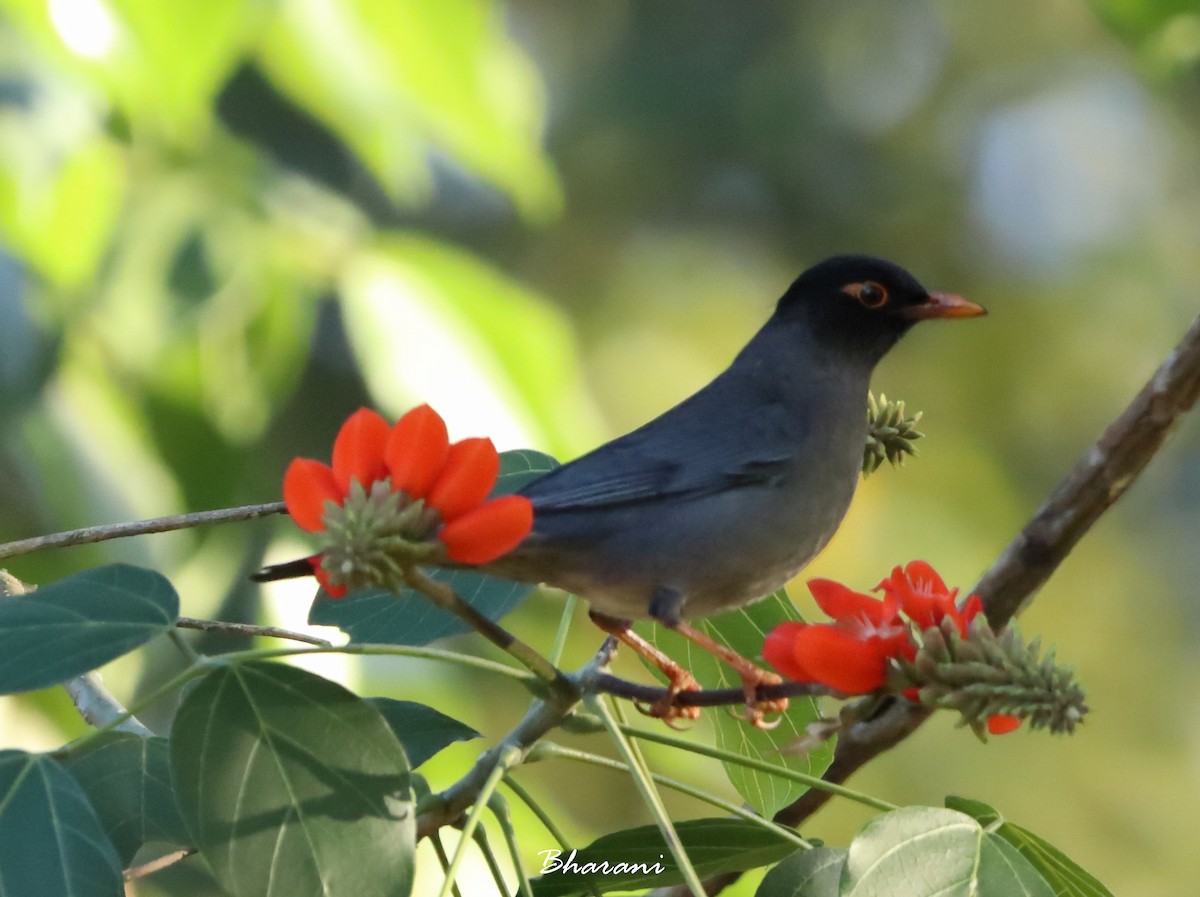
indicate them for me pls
(415, 457)
(924, 598)
(851, 654)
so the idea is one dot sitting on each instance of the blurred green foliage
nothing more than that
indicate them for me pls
(227, 223)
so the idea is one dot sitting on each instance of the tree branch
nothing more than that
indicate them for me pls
(709, 697)
(448, 807)
(157, 865)
(250, 629)
(99, 708)
(107, 531)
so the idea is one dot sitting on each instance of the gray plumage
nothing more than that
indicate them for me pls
(725, 497)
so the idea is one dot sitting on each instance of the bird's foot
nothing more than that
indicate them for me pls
(751, 674)
(757, 710)
(665, 708)
(679, 680)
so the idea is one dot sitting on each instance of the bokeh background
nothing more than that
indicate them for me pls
(227, 223)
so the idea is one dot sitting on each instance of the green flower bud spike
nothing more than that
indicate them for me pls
(375, 537)
(890, 433)
(991, 673)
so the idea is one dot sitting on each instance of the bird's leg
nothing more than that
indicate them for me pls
(751, 674)
(666, 608)
(678, 679)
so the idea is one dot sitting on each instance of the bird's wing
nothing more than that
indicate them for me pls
(687, 456)
(626, 477)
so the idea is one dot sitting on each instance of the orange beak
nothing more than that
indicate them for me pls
(944, 305)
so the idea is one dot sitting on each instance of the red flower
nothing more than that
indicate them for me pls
(489, 531)
(1002, 723)
(415, 458)
(307, 486)
(332, 589)
(466, 478)
(358, 450)
(416, 451)
(849, 655)
(924, 598)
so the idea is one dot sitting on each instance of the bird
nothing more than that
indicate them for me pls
(725, 497)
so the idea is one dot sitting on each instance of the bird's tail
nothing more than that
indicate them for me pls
(287, 570)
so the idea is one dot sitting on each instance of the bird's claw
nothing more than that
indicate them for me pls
(756, 709)
(665, 707)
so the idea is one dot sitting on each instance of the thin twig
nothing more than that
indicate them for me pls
(448, 807)
(250, 629)
(708, 697)
(99, 708)
(104, 532)
(446, 598)
(162, 862)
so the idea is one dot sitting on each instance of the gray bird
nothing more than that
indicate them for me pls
(725, 497)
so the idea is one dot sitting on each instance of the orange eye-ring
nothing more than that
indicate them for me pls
(871, 294)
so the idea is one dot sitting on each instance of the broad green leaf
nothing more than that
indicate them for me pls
(174, 58)
(714, 846)
(392, 77)
(431, 322)
(422, 730)
(1143, 20)
(80, 623)
(127, 778)
(480, 95)
(381, 617)
(914, 851)
(51, 843)
(1004, 872)
(983, 813)
(1062, 873)
(806, 873)
(292, 785)
(58, 204)
(161, 63)
(931, 852)
(744, 630)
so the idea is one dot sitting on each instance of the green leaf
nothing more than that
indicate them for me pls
(391, 77)
(422, 730)
(59, 204)
(127, 778)
(931, 852)
(176, 57)
(292, 785)
(806, 873)
(1063, 874)
(430, 320)
(1004, 872)
(744, 630)
(381, 617)
(80, 623)
(714, 846)
(51, 843)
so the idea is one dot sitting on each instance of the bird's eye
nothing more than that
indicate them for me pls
(872, 294)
